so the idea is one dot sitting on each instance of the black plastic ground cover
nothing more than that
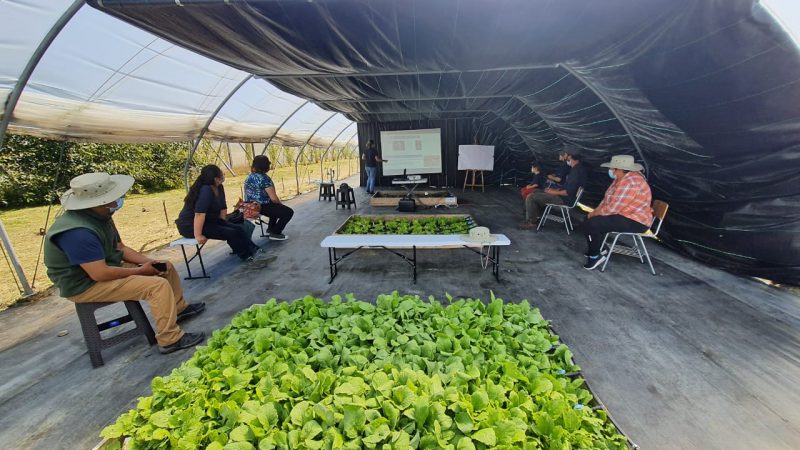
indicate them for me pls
(703, 93)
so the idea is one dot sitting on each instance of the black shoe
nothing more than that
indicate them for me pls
(186, 341)
(603, 253)
(192, 309)
(593, 262)
(278, 237)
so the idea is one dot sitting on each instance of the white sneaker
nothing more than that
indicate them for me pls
(594, 262)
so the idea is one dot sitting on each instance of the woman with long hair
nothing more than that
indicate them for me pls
(258, 187)
(204, 211)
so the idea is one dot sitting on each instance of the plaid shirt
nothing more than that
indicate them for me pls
(630, 197)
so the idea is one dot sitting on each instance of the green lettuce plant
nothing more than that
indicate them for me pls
(401, 373)
(430, 225)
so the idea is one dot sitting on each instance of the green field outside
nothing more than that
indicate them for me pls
(142, 222)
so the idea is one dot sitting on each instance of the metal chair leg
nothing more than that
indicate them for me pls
(638, 250)
(564, 218)
(610, 252)
(603, 245)
(647, 255)
(569, 218)
(543, 219)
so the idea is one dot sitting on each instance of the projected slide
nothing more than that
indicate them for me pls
(415, 151)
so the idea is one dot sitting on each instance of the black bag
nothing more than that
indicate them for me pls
(235, 217)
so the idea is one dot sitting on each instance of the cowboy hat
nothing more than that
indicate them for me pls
(480, 235)
(623, 162)
(95, 189)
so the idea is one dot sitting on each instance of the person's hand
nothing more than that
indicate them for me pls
(549, 191)
(201, 239)
(147, 269)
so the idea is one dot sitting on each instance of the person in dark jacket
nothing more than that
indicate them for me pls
(371, 159)
(536, 202)
(204, 211)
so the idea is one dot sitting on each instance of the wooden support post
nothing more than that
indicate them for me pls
(474, 183)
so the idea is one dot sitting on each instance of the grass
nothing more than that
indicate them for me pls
(143, 223)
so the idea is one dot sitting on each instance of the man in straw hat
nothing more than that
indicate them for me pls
(625, 207)
(88, 262)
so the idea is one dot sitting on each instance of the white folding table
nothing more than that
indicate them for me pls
(394, 242)
(409, 185)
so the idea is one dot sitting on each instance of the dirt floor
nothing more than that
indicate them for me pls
(691, 358)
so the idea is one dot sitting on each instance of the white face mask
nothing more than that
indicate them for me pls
(611, 174)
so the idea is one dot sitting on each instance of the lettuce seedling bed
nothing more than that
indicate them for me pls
(404, 224)
(400, 373)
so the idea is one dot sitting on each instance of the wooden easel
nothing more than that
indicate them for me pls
(474, 184)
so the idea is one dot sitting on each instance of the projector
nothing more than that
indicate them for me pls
(414, 177)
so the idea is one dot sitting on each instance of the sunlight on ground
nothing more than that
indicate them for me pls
(143, 222)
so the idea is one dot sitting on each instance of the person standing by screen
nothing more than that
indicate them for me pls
(371, 159)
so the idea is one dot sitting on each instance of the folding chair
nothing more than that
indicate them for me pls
(565, 210)
(261, 221)
(638, 250)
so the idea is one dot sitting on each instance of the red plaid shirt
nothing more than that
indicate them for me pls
(630, 197)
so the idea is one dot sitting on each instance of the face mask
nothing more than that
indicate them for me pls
(611, 174)
(114, 209)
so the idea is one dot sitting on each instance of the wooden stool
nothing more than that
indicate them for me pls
(326, 191)
(345, 196)
(91, 329)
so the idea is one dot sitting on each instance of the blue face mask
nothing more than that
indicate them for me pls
(114, 209)
(611, 174)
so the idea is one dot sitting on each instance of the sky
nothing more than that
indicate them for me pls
(788, 13)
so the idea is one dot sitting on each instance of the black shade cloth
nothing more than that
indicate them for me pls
(704, 93)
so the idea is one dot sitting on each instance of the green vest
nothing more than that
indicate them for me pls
(72, 280)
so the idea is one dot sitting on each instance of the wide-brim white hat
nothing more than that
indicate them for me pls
(623, 162)
(95, 189)
(479, 235)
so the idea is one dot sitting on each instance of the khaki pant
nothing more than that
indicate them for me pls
(536, 202)
(164, 294)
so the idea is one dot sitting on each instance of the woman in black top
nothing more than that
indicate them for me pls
(204, 211)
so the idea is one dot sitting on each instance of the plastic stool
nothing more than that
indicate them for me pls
(326, 191)
(91, 329)
(345, 196)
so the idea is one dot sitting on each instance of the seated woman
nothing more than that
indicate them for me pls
(258, 187)
(204, 211)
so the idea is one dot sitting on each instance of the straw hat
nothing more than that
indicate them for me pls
(95, 189)
(623, 162)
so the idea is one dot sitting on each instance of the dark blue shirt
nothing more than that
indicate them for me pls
(575, 179)
(538, 180)
(562, 171)
(207, 203)
(80, 245)
(370, 154)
